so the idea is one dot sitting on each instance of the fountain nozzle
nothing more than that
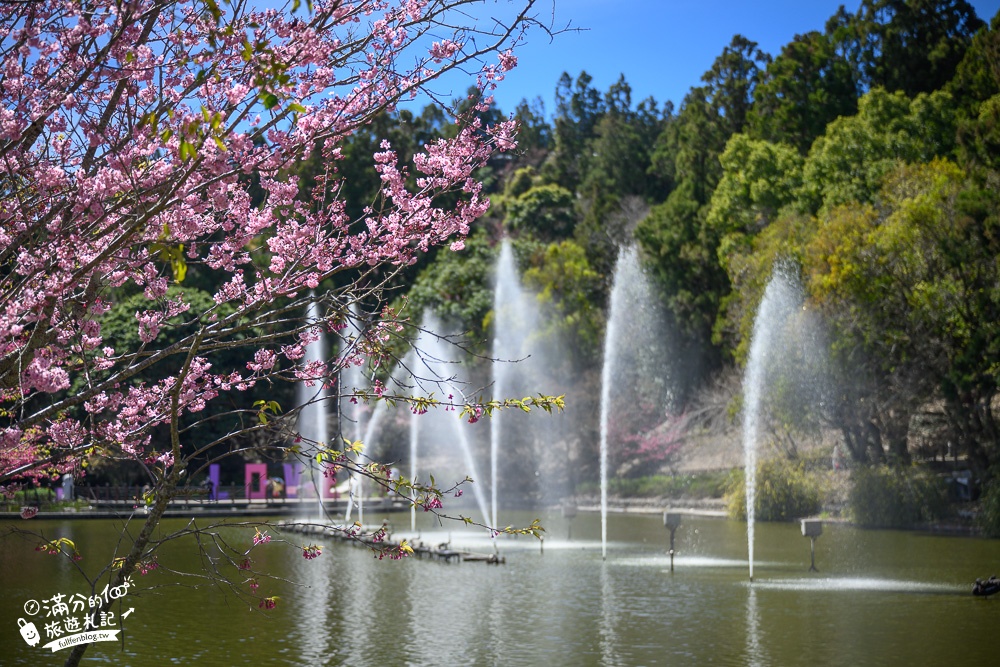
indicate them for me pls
(812, 528)
(671, 520)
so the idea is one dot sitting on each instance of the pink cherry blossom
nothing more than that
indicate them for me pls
(130, 134)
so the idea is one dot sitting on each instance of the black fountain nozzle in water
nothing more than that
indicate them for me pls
(672, 520)
(569, 513)
(812, 528)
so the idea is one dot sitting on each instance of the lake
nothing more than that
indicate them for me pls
(880, 598)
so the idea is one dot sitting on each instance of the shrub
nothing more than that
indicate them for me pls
(42, 497)
(785, 491)
(700, 485)
(989, 510)
(897, 497)
(709, 484)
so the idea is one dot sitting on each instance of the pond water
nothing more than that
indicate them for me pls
(880, 598)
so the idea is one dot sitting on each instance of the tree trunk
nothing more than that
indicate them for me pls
(975, 428)
(134, 554)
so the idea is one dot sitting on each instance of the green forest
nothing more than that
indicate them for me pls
(864, 158)
(864, 154)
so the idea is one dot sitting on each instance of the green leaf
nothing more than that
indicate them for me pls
(213, 9)
(270, 100)
(179, 265)
(187, 151)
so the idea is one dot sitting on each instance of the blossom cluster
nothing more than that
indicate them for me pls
(128, 134)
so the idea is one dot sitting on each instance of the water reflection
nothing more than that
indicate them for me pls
(498, 623)
(566, 608)
(358, 588)
(856, 584)
(609, 618)
(755, 652)
(312, 609)
(685, 562)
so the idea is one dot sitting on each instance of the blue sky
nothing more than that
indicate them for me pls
(661, 46)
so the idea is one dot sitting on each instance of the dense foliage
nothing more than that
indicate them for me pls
(899, 497)
(863, 156)
(181, 180)
(989, 513)
(786, 490)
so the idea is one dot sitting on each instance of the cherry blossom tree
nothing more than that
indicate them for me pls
(141, 138)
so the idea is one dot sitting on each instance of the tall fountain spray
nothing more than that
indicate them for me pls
(636, 357)
(514, 318)
(352, 412)
(414, 439)
(610, 340)
(369, 439)
(470, 461)
(312, 424)
(781, 299)
(436, 366)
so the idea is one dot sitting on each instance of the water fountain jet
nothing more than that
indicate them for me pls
(434, 356)
(352, 379)
(515, 315)
(781, 299)
(636, 359)
(414, 440)
(312, 419)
